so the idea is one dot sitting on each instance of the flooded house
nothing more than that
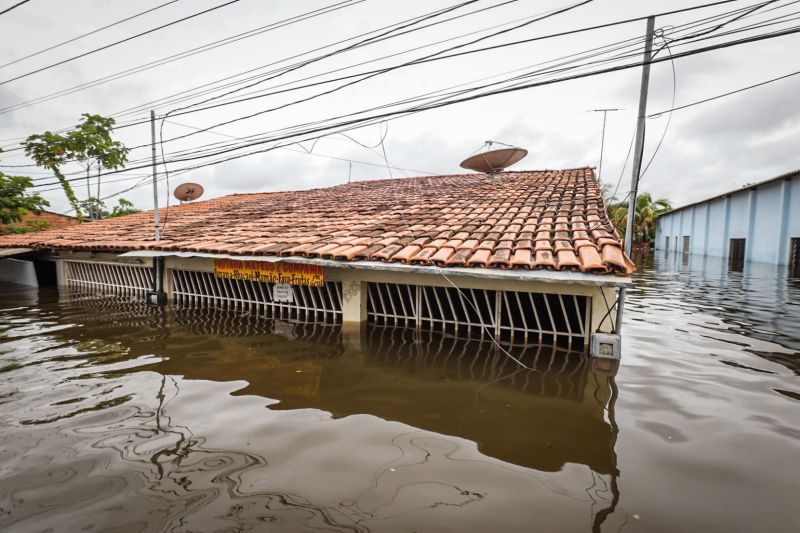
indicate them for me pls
(523, 258)
(758, 222)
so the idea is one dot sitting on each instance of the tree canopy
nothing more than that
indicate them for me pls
(644, 222)
(89, 143)
(15, 201)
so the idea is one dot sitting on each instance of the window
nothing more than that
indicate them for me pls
(686, 244)
(736, 255)
(794, 257)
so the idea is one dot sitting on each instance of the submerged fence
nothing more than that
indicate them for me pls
(115, 278)
(190, 287)
(511, 316)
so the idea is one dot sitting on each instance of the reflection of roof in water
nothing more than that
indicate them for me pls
(540, 418)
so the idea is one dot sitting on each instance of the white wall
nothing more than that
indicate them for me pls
(18, 271)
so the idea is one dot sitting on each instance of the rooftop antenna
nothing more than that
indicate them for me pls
(186, 192)
(493, 161)
(603, 136)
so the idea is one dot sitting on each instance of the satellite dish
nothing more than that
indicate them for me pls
(186, 192)
(494, 161)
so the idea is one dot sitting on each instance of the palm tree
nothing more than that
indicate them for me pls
(644, 225)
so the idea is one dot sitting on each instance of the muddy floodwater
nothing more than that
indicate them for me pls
(115, 416)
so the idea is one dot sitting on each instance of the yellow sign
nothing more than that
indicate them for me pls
(293, 274)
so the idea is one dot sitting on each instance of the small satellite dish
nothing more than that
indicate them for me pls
(494, 161)
(186, 192)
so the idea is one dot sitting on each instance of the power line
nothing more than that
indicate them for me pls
(3, 12)
(243, 146)
(268, 110)
(150, 104)
(367, 73)
(181, 55)
(696, 7)
(729, 93)
(110, 45)
(352, 124)
(301, 132)
(381, 71)
(349, 124)
(88, 33)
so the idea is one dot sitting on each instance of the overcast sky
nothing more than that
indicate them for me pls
(708, 149)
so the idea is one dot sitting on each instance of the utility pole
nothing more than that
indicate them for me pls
(637, 155)
(603, 137)
(157, 296)
(98, 191)
(155, 175)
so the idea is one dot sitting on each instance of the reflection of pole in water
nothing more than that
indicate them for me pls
(603, 514)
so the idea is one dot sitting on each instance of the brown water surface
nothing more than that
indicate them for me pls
(119, 417)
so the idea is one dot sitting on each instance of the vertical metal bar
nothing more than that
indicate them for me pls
(550, 316)
(499, 297)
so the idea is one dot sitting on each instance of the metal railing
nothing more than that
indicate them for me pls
(511, 316)
(114, 278)
(196, 288)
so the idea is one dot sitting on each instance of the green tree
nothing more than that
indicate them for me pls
(89, 143)
(123, 208)
(94, 206)
(644, 222)
(15, 201)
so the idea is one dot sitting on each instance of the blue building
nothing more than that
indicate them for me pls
(759, 222)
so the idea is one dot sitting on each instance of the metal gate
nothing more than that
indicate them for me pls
(794, 257)
(195, 288)
(511, 316)
(115, 278)
(736, 254)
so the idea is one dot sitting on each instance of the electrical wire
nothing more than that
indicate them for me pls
(115, 43)
(15, 6)
(181, 55)
(98, 30)
(669, 118)
(350, 124)
(538, 38)
(723, 95)
(208, 155)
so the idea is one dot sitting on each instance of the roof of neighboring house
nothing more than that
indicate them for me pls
(549, 219)
(785, 176)
(53, 220)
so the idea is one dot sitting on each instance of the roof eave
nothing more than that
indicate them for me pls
(536, 275)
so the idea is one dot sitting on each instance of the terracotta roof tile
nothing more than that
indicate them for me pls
(551, 219)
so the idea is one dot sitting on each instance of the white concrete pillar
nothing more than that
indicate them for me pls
(354, 301)
(601, 317)
(354, 315)
(61, 273)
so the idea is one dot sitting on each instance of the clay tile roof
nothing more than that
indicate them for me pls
(553, 219)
